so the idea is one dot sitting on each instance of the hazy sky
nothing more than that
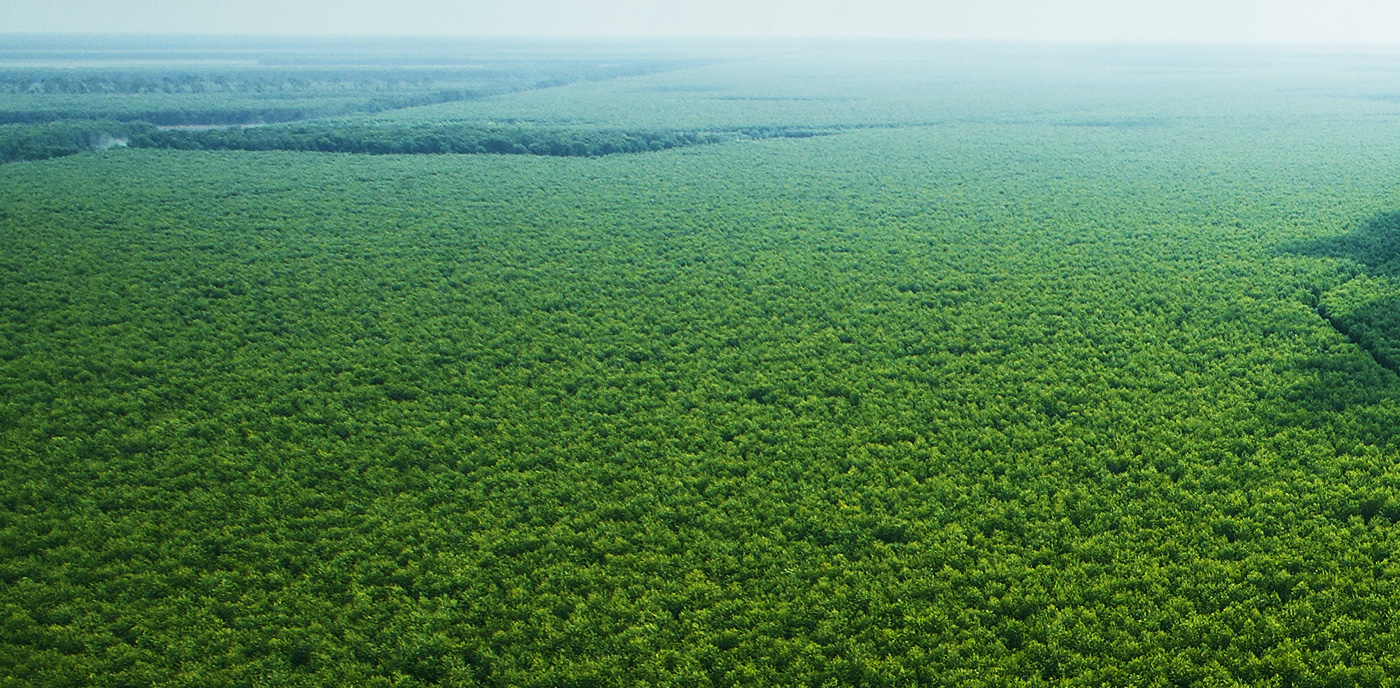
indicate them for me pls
(1326, 21)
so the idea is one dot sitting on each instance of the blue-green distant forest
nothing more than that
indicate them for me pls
(491, 363)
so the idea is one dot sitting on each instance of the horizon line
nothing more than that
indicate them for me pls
(751, 38)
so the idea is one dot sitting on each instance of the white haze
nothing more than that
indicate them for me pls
(1228, 21)
(107, 142)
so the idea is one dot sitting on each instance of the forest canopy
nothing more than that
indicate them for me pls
(934, 366)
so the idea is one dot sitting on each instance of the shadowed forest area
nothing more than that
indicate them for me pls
(1374, 245)
(1367, 308)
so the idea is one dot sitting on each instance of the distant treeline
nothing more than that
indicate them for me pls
(378, 139)
(299, 92)
(312, 80)
(248, 113)
(130, 84)
(54, 139)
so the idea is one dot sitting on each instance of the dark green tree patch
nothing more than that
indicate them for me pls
(56, 139)
(457, 138)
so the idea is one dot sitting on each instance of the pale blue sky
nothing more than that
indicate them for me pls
(1292, 21)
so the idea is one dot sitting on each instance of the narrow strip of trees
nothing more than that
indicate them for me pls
(54, 139)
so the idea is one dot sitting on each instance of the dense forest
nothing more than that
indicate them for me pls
(932, 366)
